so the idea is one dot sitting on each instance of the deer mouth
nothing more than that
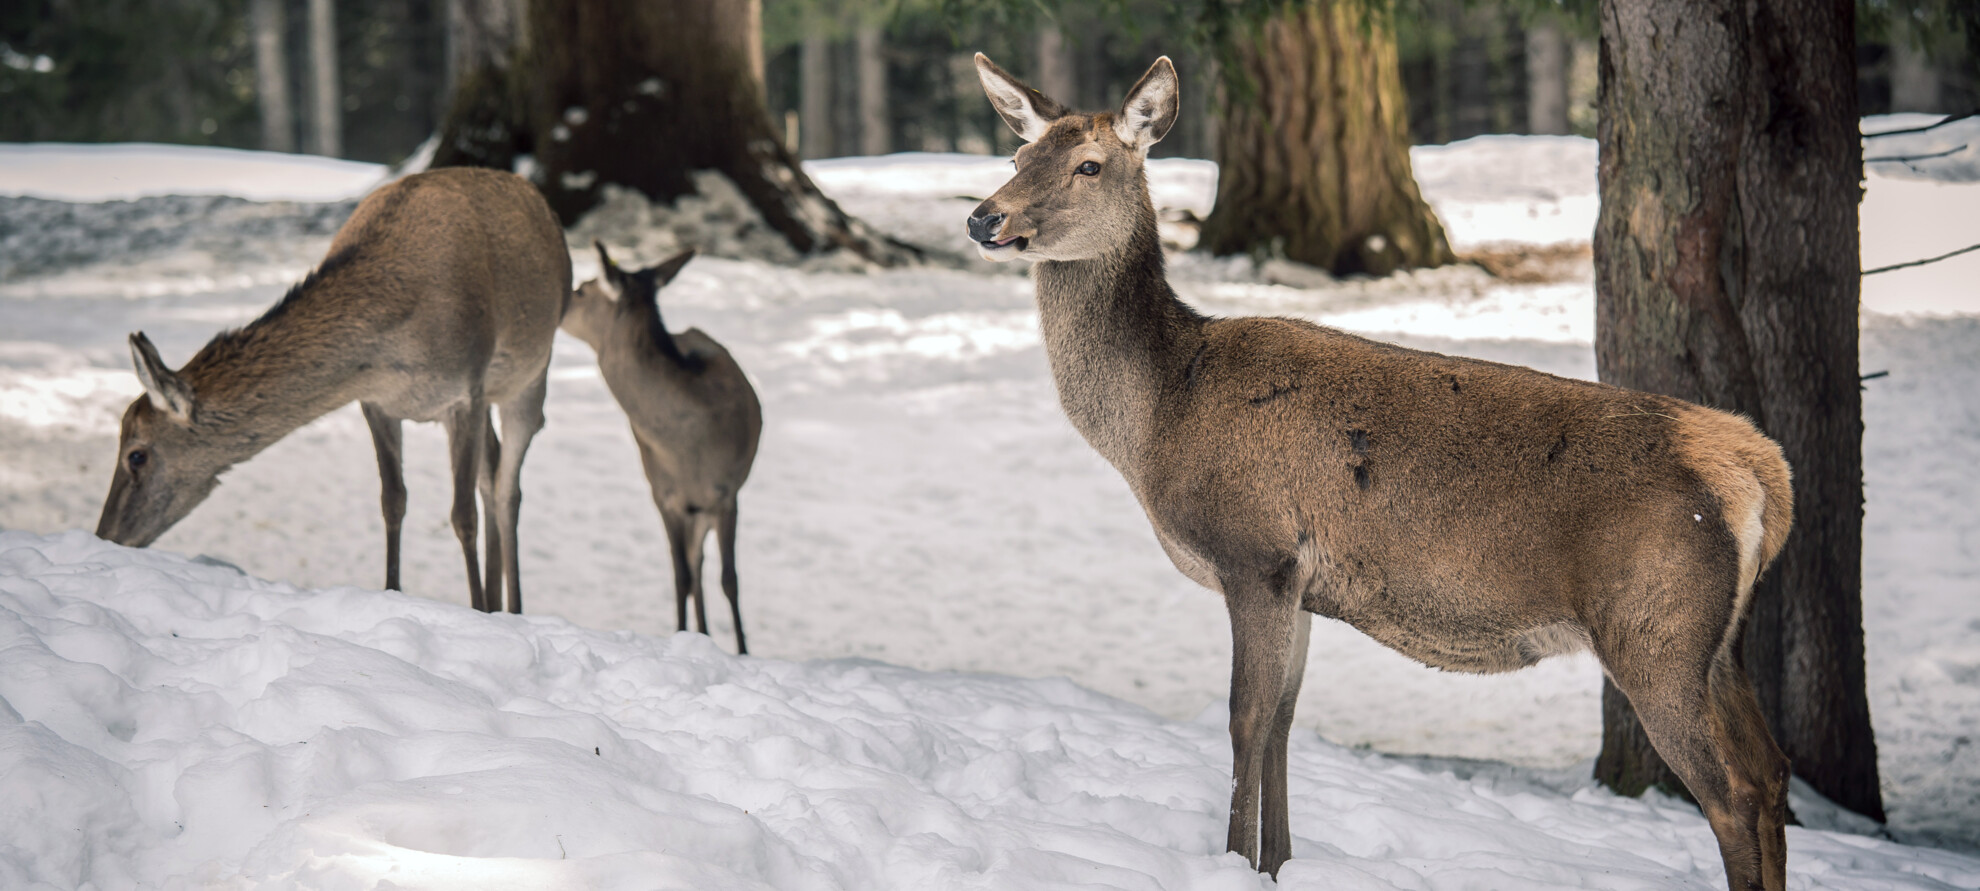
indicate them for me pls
(1004, 248)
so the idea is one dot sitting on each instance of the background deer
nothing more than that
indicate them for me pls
(1473, 516)
(439, 297)
(693, 413)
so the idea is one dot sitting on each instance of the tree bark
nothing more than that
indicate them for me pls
(641, 96)
(269, 19)
(326, 109)
(1315, 155)
(875, 136)
(1726, 274)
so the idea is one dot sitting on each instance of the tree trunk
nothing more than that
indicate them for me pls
(326, 107)
(875, 136)
(641, 96)
(1914, 82)
(815, 96)
(1315, 154)
(1546, 80)
(1055, 66)
(269, 19)
(1726, 273)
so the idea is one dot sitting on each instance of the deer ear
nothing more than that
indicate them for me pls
(1150, 108)
(610, 275)
(671, 267)
(168, 391)
(1028, 111)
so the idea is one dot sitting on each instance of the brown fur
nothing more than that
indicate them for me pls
(695, 416)
(439, 298)
(1471, 515)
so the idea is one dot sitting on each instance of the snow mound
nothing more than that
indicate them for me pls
(173, 723)
(126, 171)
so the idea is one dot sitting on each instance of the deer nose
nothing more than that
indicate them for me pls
(984, 226)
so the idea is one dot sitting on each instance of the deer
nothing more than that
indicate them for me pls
(1474, 516)
(693, 413)
(438, 300)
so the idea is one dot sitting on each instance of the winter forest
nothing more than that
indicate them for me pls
(1000, 444)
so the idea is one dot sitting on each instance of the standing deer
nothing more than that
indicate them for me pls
(693, 413)
(439, 297)
(1473, 516)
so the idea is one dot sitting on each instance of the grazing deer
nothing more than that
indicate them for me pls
(1473, 516)
(693, 413)
(439, 298)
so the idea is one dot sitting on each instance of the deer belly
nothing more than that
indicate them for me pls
(1188, 562)
(1454, 628)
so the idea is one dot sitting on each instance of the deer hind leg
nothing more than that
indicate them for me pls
(697, 529)
(1264, 624)
(491, 538)
(1701, 715)
(725, 540)
(522, 418)
(386, 437)
(466, 426)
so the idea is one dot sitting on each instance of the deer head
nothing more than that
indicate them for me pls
(1081, 189)
(597, 304)
(166, 464)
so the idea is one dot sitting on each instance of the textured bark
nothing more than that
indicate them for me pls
(326, 106)
(269, 19)
(643, 96)
(1315, 164)
(1726, 274)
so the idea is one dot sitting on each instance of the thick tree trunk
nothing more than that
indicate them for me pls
(1315, 155)
(1546, 80)
(326, 107)
(1726, 274)
(269, 19)
(641, 96)
(875, 136)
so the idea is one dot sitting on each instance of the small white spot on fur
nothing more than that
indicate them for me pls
(1697, 517)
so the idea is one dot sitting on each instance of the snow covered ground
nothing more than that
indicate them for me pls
(919, 501)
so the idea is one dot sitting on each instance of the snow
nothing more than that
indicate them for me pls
(944, 587)
(181, 725)
(125, 171)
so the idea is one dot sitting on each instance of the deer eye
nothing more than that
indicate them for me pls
(1089, 168)
(137, 458)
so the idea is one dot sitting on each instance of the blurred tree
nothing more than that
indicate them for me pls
(271, 71)
(1727, 274)
(118, 70)
(1313, 149)
(641, 96)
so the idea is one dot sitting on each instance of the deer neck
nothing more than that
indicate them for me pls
(260, 383)
(1116, 336)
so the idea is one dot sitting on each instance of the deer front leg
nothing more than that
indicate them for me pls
(466, 426)
(1275, 818)
(1263, 624)
(386, 437)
